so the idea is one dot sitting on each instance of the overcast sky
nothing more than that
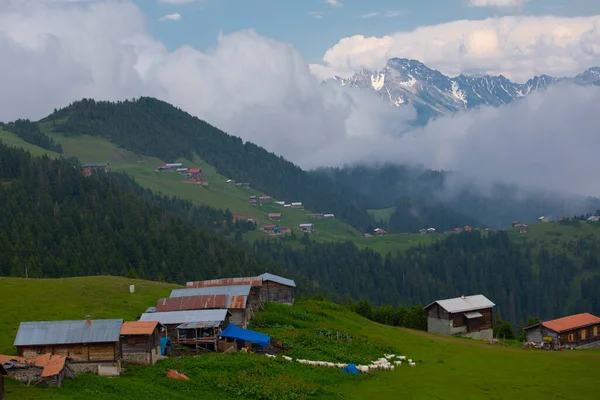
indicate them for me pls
(260, 77)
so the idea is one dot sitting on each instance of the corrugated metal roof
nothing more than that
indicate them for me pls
(571, 322)
(251, 280)
(68, 332)
(284, 281)
(151, 309)
(473, 314)
(199, 324)
(464, 304)
(241, 290)
(138, 327)
(180, 317)
(200, 302)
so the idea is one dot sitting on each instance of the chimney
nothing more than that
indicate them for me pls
(88, 321)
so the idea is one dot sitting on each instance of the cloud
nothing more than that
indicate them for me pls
(316, 14)
(497, 3)
(371, 15)
(517, 47)
(170, 17)
(334, 3)
(262, 90)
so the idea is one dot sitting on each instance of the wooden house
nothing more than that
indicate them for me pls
(274, 216)
(516, 224)
(238, 304)
(194, 328)
(140, 341)
(379, 232)
(468, 228)
(544, 219)
(49, 369)
(89, 344)
(3, 373)
(523, 229)
(89, 168)
(254, 282)
(580, 330)
(307, 228)
(469, 316)
(277, 289)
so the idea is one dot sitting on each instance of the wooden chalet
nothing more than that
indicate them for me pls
(237, 304)
(469, 316)
(277, 289)
(579, 330)
(140, 341)
(307, 228)
(89, 344)
(274, 216)
(193, 328)
(89, 168)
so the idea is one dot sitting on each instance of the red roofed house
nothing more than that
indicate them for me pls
(572, 331)
(140, 341)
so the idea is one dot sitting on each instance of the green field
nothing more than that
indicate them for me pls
(447, 368)
(383, 214)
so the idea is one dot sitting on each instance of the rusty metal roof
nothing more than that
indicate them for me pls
(237, 290)
(252, 281)
(138, 327)
(201, 302)
(180, 317)
(68, 332)
(51, 364)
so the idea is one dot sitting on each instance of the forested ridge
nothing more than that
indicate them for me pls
(152, 127)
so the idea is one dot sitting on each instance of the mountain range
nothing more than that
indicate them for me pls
(432, 93)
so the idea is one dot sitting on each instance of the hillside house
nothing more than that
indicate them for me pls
(238, 305)
(544, 219)
(457, 230)
(49, 369)
(243, 185)
(230, 182)
(252, 201)
(379, 232)
(297, 204)
(422, 231)
(265, 199)
(89, 168)
(281, 203)
(270, 228)
(316, 216)
(523, 229)
(430, 231)
(89, 344)
(252, 292)
(274, 216)
(140, 341)
(277, 289)
(469, 316)
(328, 215)
(285, 230)
(3, 373)
(593, 218)
(580, 330)
(198, 320)
(307, 228)
(516, 224)
(467, 228)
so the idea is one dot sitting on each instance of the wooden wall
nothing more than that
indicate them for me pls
(435, 311)
(276, 292)
(582, 335)
(76, 352)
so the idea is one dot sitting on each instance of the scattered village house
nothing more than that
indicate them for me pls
(90, 345)
(297, 204)
(516, 224)
(238, 305)
(254, 282)
(274, 216)
(544, 219)
(307, 228)
(140, 342)
(277, 289)
(49, 369)
(265, 199)
(198, 329)
(593, 218)
(89, 168)
(580, 330)
(379, 232)
(469, 316)
(523, 229)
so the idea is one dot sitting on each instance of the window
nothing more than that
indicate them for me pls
(571, 337)
(583, 334)
(595, 330)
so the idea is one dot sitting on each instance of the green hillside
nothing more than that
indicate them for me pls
(383, 214)
(447, 368)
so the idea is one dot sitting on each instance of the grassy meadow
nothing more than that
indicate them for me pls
(447, 368)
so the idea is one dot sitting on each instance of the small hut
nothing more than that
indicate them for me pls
(277, 289)
(140, 341)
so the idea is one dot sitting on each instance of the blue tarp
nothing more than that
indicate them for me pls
(350, 369)
(164, 342)
(235, 332)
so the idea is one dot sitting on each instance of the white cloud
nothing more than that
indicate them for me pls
(497, 3)
(517, 47)
(334, 3)
(393, 14)
(316, 14)
(170, 17)
(371, 15)
(262, 90)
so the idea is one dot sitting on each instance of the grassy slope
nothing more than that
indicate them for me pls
(382, 214)
(447, 368)
(11, 139)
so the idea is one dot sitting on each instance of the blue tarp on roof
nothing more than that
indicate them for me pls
(235, 332)
(350, 369)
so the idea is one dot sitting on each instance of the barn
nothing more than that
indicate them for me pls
(90, 345)
(237, 304)
(277, 289)
(579, 330)
(193, 319)
(469, 316)
(140, 342)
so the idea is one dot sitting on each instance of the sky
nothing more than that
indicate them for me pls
(254, 68)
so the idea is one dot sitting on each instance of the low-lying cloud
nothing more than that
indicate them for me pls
(263, 91)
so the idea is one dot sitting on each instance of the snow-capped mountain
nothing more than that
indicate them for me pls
(432, 93)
